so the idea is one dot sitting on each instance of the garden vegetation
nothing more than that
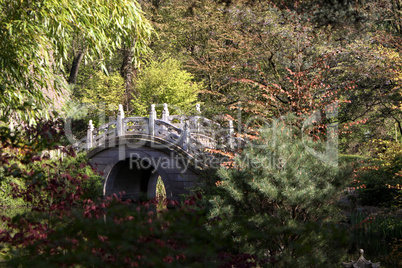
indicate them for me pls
(270, 66)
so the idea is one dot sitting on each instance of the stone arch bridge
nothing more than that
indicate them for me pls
(132, 152)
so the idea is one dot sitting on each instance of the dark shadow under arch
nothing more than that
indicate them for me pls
(134, 182)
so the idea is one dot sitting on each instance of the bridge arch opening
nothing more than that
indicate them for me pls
(135, 182)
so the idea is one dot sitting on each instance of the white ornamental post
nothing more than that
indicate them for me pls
(165, 113)
(186, 137)
(197, 120)
(151, 123)
(231, 132)
(90, 135)
(119, 124)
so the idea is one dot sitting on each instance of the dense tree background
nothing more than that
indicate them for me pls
(268, 59)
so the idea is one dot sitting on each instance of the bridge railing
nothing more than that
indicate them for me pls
(138, 125)
(103, 133)
(192, 133)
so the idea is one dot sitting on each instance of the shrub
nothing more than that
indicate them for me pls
(116, 233)
(277, 201)
(165, 81)
(100, 90)
(379, 181)
(44, 187)
(378, 234)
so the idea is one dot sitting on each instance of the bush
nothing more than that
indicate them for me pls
(165, 81)
(29, 168)
(277, 201)
(37, 187)
(97, 97)
(101, 89)
(377, 233)
(379, 181)
(113, 233)
(374, 188)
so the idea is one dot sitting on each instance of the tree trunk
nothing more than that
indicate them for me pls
(128, 72)
(156, 3)
(74, 68)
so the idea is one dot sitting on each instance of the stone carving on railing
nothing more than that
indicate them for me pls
(167, 131)
(191, 133)
(104, 132)
(134, 125)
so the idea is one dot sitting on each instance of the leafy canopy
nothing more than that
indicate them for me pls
(165, 82)
(101, 91)
(36, 36)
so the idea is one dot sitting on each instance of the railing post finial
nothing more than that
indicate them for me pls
(119, 123)
(152, 117)
(165, 112)
(185, 143)
(121, 110)
(90, 135)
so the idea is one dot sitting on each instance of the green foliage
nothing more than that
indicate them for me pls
(376, 188)
(27, 162)
(277, 201)
(376, 233)
(379, 181)
(268, 59)
(338, 12)
(36, 37)
(249, 53)
(351, 159)
(371, 227)
(10, 206)
(165, 81)
(101, 93)
(253, 56)
(113, 234)
(77, 166)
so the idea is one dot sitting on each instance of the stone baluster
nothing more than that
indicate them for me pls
(185, 142)
(119, 124)
(165, 113)
(231, 132)
(198, 128)
(90, 135)
(152, 117)
(197, 120)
